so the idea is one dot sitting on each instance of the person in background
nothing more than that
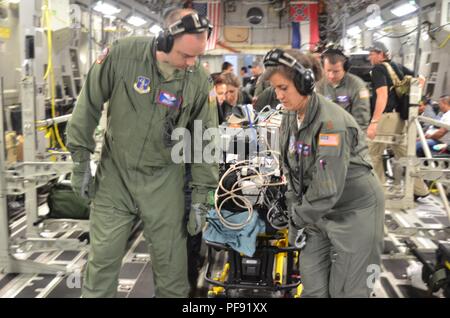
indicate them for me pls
(345, 89)
(227, 67)
(221, 91)
(244, 76)
(427, 110)
(256, 86)
(437, 135)
(234, 95)
(386, 120)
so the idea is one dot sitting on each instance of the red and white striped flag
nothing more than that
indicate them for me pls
(210, 9)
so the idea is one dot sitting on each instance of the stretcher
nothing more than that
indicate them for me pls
(273, 271)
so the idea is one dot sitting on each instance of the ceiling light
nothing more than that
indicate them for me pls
(155, 29)
(373, 23)
(404, 9)
(136, 21)
(106, 8)
(354, 31)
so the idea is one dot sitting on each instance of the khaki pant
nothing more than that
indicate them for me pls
(389, 124)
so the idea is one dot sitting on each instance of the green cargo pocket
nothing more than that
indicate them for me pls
(324, 187)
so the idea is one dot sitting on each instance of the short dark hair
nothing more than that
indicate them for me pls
(218, 80)
(334, 58)
(226, 65)
(231, 79)
(244, 68)
(214, 76)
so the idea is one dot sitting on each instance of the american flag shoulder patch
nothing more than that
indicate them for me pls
(329, 140)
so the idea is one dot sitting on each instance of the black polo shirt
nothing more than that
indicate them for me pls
(380, 77)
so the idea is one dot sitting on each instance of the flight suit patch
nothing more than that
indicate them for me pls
(329, 125)
(329, 140)
(168, 99)
(364, 94)
(291, 144)
(343, 100)
(142, 85)
(306, 149)
(102, 56)
(212, 95)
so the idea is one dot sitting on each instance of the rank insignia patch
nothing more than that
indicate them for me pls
(142, 85)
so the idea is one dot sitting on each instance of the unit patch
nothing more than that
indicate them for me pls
(342, 99)
(142, 85)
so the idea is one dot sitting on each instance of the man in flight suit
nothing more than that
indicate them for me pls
(153, 86)
(343, 88)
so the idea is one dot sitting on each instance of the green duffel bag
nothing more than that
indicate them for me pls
(63, 203)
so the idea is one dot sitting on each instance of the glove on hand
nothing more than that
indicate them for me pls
(82, 180)
(197, 218)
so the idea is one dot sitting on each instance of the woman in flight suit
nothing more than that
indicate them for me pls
(336, 203)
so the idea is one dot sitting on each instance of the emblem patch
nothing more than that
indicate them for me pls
(142, 85)
(342, 99)
(168, 99)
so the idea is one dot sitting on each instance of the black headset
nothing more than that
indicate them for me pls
(304, 80)
(336, 50)
(192, 23)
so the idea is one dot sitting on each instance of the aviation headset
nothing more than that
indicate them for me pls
(191, 23)
(304, 80)
(336, 50)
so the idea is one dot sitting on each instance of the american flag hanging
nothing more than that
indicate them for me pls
(210, 9)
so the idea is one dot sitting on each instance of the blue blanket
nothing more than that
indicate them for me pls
(243, 240)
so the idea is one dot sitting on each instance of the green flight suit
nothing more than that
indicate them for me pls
(335, 196)
(136, 177)
(351, 94)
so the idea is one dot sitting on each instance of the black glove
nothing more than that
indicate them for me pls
(296, 236)
(82, 180)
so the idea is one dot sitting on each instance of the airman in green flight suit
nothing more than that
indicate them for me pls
(153, 85)
(335, 200)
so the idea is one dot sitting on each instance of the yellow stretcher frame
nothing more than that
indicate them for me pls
(280, 280)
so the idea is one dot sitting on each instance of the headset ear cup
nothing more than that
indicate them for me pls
(304, 83)
(298, 82)
(169, 43)
(165, 42)
(346, 64)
